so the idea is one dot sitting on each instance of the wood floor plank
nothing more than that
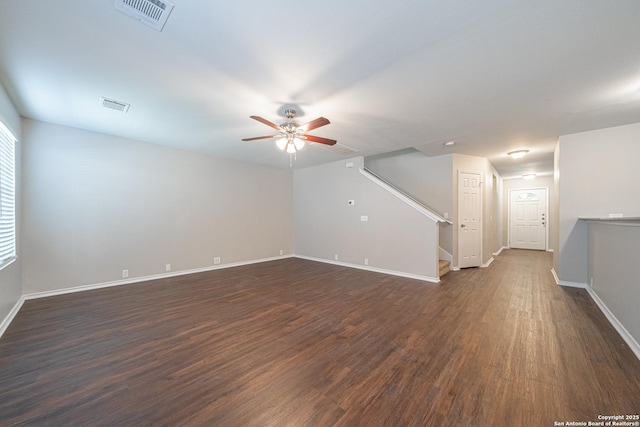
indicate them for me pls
(299, 343)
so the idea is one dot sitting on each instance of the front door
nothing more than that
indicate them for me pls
(469, 220)
(528, 219)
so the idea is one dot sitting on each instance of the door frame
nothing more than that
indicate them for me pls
(546, 214)
(481, 215)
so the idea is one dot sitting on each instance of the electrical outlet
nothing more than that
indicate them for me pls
(335, 257)
(366, 261)
(167, 267)
(364, 218)
(125, 274)
(281, 252)
(216, 260)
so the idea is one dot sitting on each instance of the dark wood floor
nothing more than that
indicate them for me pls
(298, 343)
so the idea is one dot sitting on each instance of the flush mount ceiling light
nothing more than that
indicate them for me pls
(529, 176)
(517, 154)
(449, 143)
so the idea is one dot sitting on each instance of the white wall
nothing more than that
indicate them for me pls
(396, 238)
(614, 272)
(554, 237)
(434, 180)
(10, 276)
(95, 204)
(596, 177)
(538, 182)
(427, 179)
(492, 222)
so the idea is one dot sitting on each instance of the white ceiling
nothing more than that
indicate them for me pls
(492, 75)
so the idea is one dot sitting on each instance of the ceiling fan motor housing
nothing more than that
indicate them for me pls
(292, 130)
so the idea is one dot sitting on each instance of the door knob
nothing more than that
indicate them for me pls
(462, 225)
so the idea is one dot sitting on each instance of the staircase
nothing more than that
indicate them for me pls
(444, 267)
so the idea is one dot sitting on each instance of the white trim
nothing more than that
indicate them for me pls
(373, 269)
(622, 331)
(6, 263)
(567, 283)
(546, 213)
(500, 251)
(444, 255)
(488, 263)
(131, 280)
(12, 314)
(481, 214)
(422, 209)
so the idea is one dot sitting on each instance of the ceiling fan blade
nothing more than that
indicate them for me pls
(266, 122)
(260, 137)
(320, 139)
(314, 124)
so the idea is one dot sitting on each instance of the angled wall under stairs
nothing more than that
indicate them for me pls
(342, 216)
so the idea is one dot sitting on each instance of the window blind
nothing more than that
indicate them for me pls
(7, 196)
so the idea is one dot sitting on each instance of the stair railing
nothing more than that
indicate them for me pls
(384, 183)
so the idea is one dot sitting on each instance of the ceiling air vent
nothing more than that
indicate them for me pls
(114, 105)
(154, 13)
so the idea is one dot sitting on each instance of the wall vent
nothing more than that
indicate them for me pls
(114, 105)
(154, 13)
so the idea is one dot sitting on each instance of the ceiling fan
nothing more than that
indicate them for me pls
(292, 135)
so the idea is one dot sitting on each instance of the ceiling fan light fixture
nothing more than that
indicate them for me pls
(293, 136)
(518, 154)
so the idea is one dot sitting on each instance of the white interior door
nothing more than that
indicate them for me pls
(528, 219)
(469, 220)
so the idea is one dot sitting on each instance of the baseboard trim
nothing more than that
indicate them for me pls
(567, 283)
(500, 251)
(373, 269)
(488, 263)
(485, 265)
(12, 314)
(131, 280)
(626, 336)
(622, 331)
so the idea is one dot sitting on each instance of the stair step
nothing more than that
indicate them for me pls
(444, 267)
